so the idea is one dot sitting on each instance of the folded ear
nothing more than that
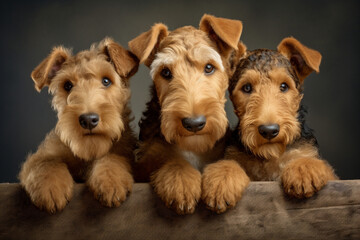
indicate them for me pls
(303, 59)
(48, 68)
(146, 44)
(126, 64)
(225, 32)
(236, 56)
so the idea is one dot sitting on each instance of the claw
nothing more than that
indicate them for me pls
(227, 203)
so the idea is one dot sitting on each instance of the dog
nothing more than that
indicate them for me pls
(183, 127)
(272, 140)
(92, 140)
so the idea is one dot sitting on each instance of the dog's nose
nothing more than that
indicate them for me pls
(269, 131)
(89, 120)
(194, 124)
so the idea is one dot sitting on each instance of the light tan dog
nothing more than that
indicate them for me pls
(92, 140)
(184, 125)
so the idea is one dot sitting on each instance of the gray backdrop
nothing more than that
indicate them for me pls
(29, 29)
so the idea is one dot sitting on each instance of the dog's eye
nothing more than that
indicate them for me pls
(209, 69)
(68, 86)
(106, 82)
(247, 88)
(284, 87)
(166, 73)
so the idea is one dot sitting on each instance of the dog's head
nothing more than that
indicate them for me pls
(266, 91)
(90, 92)
(190, 70)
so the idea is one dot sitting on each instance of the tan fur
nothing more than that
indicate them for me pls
(223, 183)
(100, 156)
(309, 58)
(264, 106)
(289, 157)
(179, 185)
(169, 152)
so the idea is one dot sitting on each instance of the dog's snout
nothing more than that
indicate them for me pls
(194, 124)
(89, 120)
(269, 131)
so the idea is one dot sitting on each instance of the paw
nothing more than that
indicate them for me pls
(51, 190)
(223, 183)
(110, 184)
(179, 186)
(301, 178)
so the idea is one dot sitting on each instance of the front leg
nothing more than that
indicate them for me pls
(179, 185)
(303, 177)
(47, 181)
(223, 183)
(110, 180)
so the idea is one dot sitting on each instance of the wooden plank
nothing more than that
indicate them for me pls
(263, 213)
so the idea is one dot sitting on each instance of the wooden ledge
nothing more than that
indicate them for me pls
(263, 213)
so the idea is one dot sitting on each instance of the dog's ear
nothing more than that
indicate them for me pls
(225, 32)
(146, 44)
(48, 68)
(303, 59)
(236, 56)
(126, 64)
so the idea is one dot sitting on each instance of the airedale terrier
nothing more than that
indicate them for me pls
(272, 140)
(92, 140)
(185, 122)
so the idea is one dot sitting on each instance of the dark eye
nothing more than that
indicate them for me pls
(166, 73)
(247, 88)
(284, 87)
(209, 69)
(106, 82)
(68, 86)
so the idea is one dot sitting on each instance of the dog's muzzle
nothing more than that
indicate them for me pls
(89, 120)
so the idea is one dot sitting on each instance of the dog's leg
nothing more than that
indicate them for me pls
(223, 183)
(110, 180)
(47, 180)
(179, 185)
(303, 177)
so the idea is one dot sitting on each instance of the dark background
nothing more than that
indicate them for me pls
(29, 30)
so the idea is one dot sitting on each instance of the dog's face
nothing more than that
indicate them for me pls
(89, 95)
(191, 82)
(190, 73)
(266, 94)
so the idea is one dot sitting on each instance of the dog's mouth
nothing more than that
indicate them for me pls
(92, 134)
(196, 134)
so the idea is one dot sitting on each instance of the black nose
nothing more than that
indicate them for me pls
(89, 120)
(269, 131)
(194, 124)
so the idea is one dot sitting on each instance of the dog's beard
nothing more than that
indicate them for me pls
(266, 149)
(199, 142)
(86, 144)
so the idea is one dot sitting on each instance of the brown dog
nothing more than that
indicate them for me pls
(271, 140)
(183, 127)
(92, 141)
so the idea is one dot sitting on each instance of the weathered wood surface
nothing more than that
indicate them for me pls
(263, 213)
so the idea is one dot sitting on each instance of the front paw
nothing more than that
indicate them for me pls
(110, 184)
(301, 178)
(50, 190)
(223, 183)
(179, 186)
